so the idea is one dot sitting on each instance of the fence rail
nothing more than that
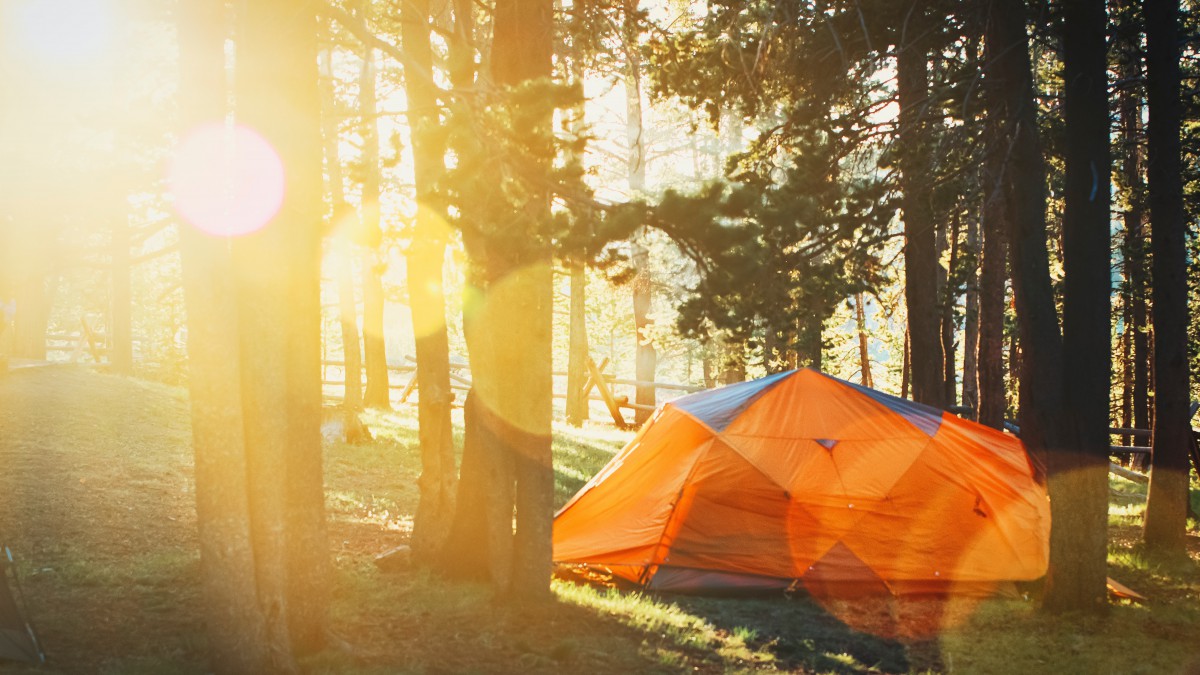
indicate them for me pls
(599, 386)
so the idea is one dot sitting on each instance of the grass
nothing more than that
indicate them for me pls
(96, 499)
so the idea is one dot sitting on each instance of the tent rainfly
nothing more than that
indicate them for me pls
(801, 480)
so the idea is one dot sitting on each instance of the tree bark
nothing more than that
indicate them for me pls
(378, 393)
(479, 545)
(1167, 501)
(577, 408)
(970, 391)
(1136, 404)
(577, 404)
(864, 355)
(278, 95)
(120, 338)
(508, 326)
(1046, 429)
(646, 358)
(522, 49)
(920, 241)
(427, 300)
(344, 243)
(949, 301)
(1079, 539)
(234, 622)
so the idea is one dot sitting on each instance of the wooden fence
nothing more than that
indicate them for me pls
(86, 340)
(600, 386)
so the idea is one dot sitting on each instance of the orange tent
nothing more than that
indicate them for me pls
(803, 479)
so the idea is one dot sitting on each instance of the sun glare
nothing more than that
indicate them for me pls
(226, 180)
(59, 32)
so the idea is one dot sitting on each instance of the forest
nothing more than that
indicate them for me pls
(357, 294)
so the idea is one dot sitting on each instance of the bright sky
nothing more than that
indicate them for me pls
(58, 32)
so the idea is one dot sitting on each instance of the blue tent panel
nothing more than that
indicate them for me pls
(718, 407)
(926, 418)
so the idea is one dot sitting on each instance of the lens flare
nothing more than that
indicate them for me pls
(226, 180)
(427, 253)
(506, 320)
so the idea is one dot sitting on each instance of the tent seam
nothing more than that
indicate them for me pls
(675, 509)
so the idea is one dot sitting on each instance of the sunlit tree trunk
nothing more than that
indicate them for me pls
(522, 48)
(120, 330)
(577, 403)
(864, 355)
(1167, 503)
(427, 300)
(646, 358)
(277, 94)
(478, 546)
(920, 247)
(949, 301)
(234, 622)
(378, 393)
(1079, 474)
(343, 241)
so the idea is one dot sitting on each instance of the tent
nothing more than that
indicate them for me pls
(804, 480)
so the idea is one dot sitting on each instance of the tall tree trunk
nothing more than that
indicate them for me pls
(120, 338)
(374, 344)
(993, 272)
(920, 241)
(1079, 538)
(277, 94)
(508, 327)
(343, 241)
(1143, 355)
(1167, 502)
(1045, 428)
(646, 358)
(478, 546)
(1137, 368)
(1127, 366)
(577, 403)
(522, 49)
(905, 368)
(949, 297)
(864, 355)
(970, 391)
(427, 299)
(234, 622)
(577, 408)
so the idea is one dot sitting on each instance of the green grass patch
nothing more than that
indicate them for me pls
(98, 504)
